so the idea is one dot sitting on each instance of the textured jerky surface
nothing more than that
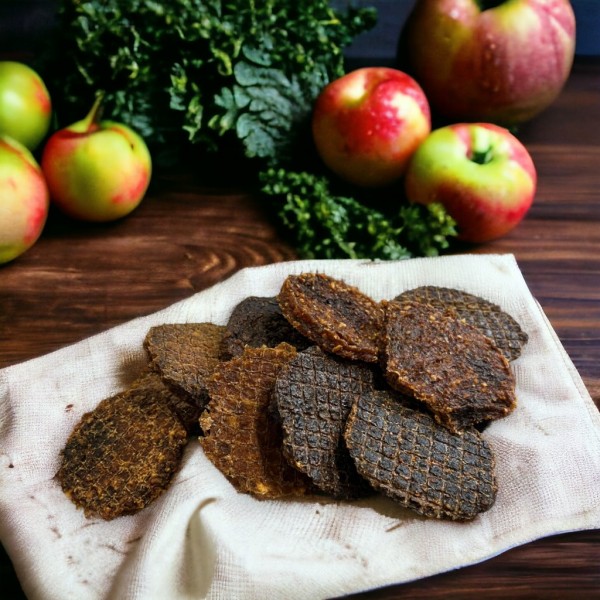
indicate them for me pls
(258, 321)
(486, 316)
(240, 436)
(123, 454)
(409, 457)
(449, 365)
(179, 403)
(314, 395)
(185, 355)
(337, 317)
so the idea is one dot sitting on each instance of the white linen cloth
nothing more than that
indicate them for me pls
(202, 539)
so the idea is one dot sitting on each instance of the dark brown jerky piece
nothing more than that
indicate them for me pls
(185, 355)
(258, 321)
(406, 455)
(449, 365)
(486, 316)
(314, 395)
(187, 412)
(123, 454)
(334, 315)
(240, 436)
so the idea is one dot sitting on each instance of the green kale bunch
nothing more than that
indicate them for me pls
(221, 73)
(326, 222)
(237, 80)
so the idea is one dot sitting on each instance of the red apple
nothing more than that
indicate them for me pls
(25, 107)
(23, 199)
(367, 124)
(96, 170)
(502, 61)
(481, 174)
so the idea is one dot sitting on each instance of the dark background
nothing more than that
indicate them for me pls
(24, 22)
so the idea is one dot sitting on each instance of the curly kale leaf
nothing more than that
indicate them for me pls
(217, 73)
(323, 224)
(267, 109)
(271, 78)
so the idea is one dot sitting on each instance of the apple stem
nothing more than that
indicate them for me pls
(482, 157)
(93, 117)
(485, 4)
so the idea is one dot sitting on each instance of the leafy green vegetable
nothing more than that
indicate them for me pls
(326, 225)
(236, 79)
(239, 73)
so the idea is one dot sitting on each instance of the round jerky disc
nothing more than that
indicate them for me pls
(185, 355)
(407, 456)
(486, 316)
(313, 397)
(337, 317)
(123, 454)
(258, 321)
(449, 365)
(241, 437)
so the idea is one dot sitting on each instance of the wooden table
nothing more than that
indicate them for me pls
(81, 279)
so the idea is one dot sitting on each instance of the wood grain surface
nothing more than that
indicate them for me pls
(80, 279)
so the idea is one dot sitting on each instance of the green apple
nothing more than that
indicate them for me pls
(500, 61)
(25, 107)
(481, 173)
(96, 170)
(23, 199)
(367, 123)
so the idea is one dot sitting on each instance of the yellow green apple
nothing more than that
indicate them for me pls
(25, 106)
(480, 172)
(367, 123)
(500, 61)
(23, 199)
(96, 170)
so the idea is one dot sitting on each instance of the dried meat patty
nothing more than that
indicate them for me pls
(407, 456)
(313, 396)
(449, 365)
(336, 316)
(123, 454)
(258, 321)
(487, 316)
(185, 355)
(241, 437)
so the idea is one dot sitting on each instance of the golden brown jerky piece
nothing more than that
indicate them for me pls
(313, 397)
(123, 454)
(449, 365)
(187, 412)
(336, 316)
(487, 316)
(241, 437)
(406, 455)
(258, 321)
(185, 355)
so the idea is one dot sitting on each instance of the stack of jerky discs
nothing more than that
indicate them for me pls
(320, 390)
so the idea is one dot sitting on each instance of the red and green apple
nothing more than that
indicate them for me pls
(23, 199)
(480, 172)
(367, 123)
(96, 170)
(500, 61)
(25, 106)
